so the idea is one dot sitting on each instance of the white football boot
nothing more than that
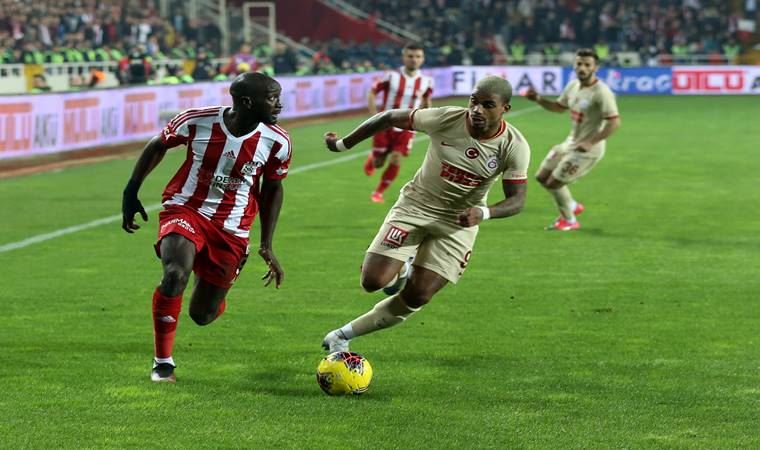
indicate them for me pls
(335, 341)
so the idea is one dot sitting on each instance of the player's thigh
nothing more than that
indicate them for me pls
(574, 166)
(177, 252)
(222, 260)
(378, 270)
(551, 160)
(381, 143)
(398, 238)
(401, 142)
(206, 298)
(448, 252)
(180, 238)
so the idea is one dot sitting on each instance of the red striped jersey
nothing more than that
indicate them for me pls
(221, 172)
(402, 91)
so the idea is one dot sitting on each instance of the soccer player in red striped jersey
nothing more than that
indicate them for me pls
(236, 159)
(404, 88)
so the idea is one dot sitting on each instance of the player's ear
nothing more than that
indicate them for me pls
(507, 107)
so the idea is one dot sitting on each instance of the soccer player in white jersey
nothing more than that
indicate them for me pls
(594, 115)
(435, 220)
(236, 160)
(406, 87)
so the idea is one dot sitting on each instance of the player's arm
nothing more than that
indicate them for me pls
(270, 202)
(399, 118)
(611, 124)
(372, 102)
(513, 203)
(152, 154)
(549, 105)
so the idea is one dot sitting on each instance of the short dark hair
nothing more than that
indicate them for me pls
(496, 85)
(587, 52)
(413, 46)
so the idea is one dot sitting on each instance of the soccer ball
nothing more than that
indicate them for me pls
(343, 373)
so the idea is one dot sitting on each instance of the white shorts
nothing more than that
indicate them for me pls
(568, 164)
(435, 243)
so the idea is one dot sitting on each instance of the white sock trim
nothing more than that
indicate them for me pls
(169, 360)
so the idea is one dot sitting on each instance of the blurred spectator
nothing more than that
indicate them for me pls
(242, 61)
(138, 66)
(97, 78)
(285, 59)
(39, 84)
(75, 82)
(204, 68)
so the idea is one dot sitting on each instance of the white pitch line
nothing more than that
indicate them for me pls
(115, 218)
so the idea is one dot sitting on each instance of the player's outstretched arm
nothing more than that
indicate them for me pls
(270, 201)
(400, 118)
(609, 127)
(512, 204)
(152, 154)
(549, 105)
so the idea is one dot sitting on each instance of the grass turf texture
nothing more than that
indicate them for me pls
(639, 331)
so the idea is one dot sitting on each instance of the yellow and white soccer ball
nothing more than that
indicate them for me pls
(344, 373)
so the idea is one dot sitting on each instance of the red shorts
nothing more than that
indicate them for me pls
(392, 140)
(219, 255)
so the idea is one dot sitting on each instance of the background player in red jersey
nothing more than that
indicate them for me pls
(404, 88)
(210, 204)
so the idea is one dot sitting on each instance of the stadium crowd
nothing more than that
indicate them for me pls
(453, 28)
(479, 32)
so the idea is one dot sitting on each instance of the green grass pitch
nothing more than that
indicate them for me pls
(642, 330)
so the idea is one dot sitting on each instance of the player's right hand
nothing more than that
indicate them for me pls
(330, 139)
(531, 94)
(130, 205)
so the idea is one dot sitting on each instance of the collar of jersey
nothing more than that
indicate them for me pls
(227, 132)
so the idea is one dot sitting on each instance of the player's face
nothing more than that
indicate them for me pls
(268, 106)
(585, 67)
(413, 59)
(486, 109)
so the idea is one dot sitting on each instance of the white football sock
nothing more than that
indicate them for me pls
(386, 313)
(169, 360)
(565, 202)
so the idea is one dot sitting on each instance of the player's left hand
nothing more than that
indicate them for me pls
(584, 145)
(470, 217)
(275, 272)
(330, 139)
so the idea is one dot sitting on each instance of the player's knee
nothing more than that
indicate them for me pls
(202, 317)
(553, 183)
(174, 280)
(371, 282)
(416, 296)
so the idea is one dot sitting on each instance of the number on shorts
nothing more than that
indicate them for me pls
(570, 168)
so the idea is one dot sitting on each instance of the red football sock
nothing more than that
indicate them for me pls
(165, 317)
(390, 174)
(369, 165)
(222, 307)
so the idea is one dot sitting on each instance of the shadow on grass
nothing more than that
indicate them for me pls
(283, 382)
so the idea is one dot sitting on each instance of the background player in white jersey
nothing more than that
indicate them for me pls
(594, 115)
(435, 220)
(210, 204)
(404, 88)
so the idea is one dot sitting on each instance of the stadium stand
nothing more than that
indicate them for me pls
(93, 43)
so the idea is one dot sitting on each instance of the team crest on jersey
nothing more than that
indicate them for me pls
(395, 237)
(472, 153)
(493, 163)
(250, 167)
(583, 103)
